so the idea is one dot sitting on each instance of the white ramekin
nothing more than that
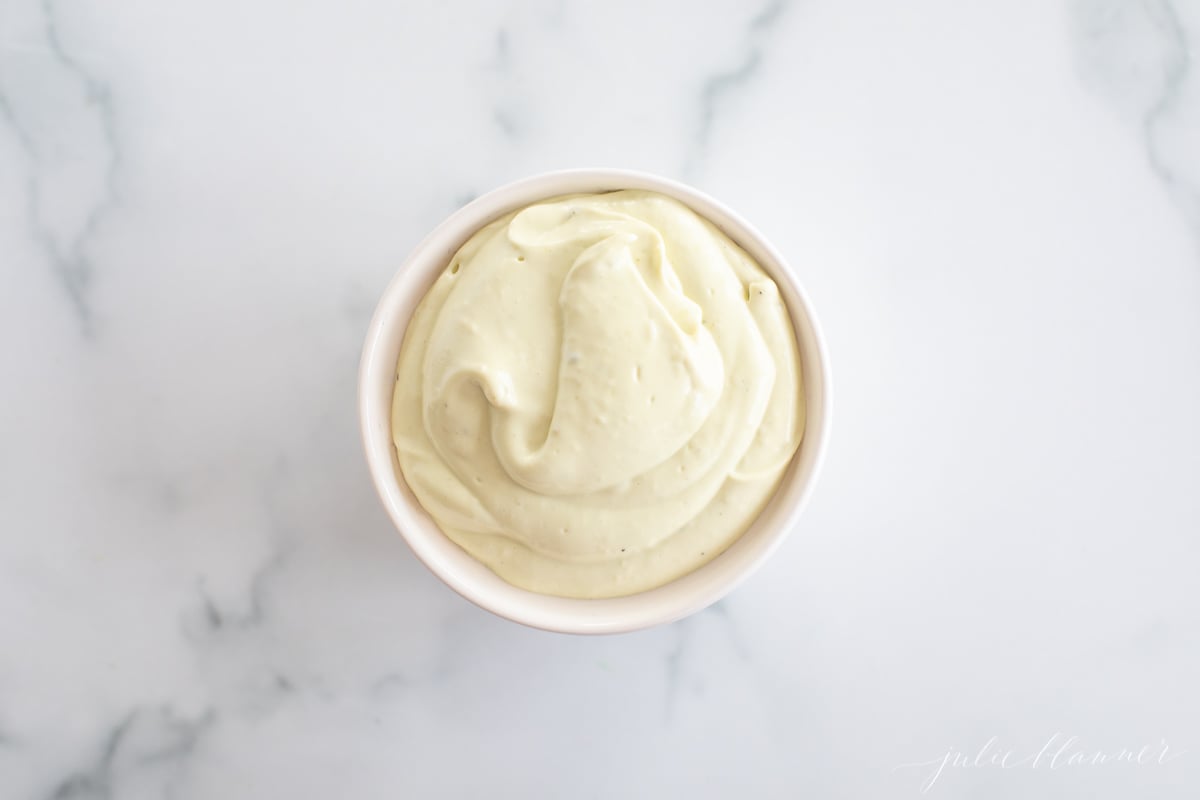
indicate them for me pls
(470, 578)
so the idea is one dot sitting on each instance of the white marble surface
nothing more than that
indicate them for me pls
(995, 206)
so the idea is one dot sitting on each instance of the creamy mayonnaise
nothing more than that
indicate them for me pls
(598, 395)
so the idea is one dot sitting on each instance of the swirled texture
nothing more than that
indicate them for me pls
(598, 395)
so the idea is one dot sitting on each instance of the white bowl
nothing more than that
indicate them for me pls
(470, 578)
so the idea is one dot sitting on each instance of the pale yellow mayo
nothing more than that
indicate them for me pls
(598, 395)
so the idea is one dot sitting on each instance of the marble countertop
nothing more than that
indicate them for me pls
(994, 206)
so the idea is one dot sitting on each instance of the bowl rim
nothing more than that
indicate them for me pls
(468, 577)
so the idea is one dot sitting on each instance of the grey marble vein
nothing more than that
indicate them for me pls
(67, 255)
(502, 58)
(768, 16)
(503, 117)
(1139, 53)
(9, 116)
(95, 780)
(720, 85)
(684, 632)
(505, 122)
(145, 740)
(99, 97)
(388, 682)
(674, 666)
(176, 738)
(217, 619)
(717, 87)
(72, 273)
(1178, 64)
(720, 610)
